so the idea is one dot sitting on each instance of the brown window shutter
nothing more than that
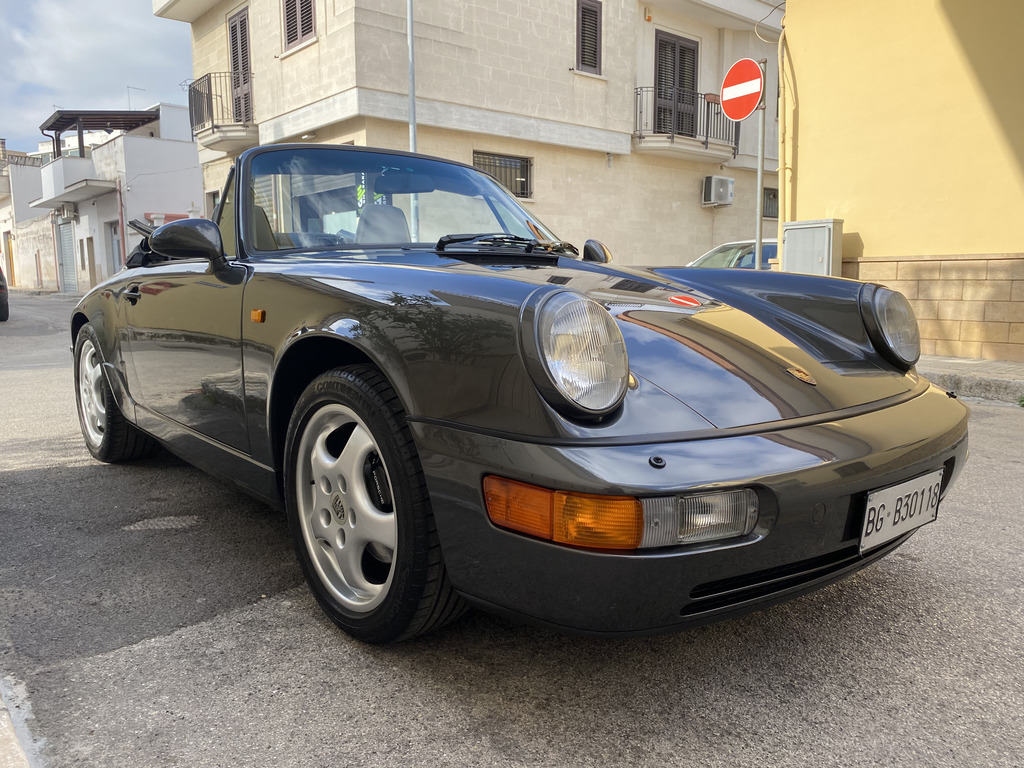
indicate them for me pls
(588, 36)
(299, 22)
(241, 76)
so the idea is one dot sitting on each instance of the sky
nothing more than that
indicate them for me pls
(67, 54)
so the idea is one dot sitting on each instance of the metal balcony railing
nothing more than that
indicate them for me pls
(220, 98)
(679, 112)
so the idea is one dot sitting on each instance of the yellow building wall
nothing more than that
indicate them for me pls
(906, 120)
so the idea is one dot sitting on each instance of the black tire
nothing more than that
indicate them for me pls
(108, 435)
(359, 512)
(5, 310)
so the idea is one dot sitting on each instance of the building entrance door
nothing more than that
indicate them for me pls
(66, 258)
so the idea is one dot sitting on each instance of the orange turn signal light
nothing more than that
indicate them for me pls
(580, 519)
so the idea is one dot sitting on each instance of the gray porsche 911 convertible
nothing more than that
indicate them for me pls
(455, 408)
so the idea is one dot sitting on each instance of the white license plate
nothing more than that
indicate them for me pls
(895, 510)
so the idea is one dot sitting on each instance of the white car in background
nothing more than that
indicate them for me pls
(738, 255)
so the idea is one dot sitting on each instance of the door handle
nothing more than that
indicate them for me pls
(132, 295)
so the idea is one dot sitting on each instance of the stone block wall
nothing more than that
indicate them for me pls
(967, 305)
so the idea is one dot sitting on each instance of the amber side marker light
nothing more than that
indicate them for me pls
(580, 519)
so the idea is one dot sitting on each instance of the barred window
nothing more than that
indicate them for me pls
(770, 203)
(299, 24)
(588, 36)
(515, 173)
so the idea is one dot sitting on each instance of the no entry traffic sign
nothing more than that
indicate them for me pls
(742, 89)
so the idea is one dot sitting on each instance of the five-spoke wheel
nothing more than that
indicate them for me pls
(344, 501)
(359, 512)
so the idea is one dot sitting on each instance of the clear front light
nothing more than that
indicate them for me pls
(898, 324)
(699, 517)
(583, 351)
(892, 325)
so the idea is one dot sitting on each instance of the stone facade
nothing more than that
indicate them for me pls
(967, 306)
(501, 79)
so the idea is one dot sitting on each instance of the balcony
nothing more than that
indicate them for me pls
(220, 109)
(71, 180)
(683, 123)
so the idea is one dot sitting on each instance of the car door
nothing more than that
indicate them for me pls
(184, 328)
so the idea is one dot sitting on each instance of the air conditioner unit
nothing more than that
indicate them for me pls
(68, 211)
(718, 190)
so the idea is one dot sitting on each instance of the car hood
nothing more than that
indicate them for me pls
(708, 349)
(740, 350)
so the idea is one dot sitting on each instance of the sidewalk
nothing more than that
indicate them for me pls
(968, 377)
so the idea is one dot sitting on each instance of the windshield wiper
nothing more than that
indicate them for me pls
(505, 239)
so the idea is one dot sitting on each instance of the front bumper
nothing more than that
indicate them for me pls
(812, 481)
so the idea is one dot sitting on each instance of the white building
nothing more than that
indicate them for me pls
(599, 114)
(26, 237)
(147, 169)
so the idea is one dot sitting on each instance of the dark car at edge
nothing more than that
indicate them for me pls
(454, 408)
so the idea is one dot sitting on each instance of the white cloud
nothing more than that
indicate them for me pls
(71, 55)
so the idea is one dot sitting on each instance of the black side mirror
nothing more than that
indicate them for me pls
(595, 250)
(188, 239)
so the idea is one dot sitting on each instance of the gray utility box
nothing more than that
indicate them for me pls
(813, 247)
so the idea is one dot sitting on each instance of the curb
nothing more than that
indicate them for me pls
(984, 387)
(11, 753)
(46, 294)
(17, 747)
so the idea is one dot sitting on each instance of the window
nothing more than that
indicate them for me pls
(675, 79)
(770, 203)
(588, 36)
(298, 22)
(515, 173)
(241, 75)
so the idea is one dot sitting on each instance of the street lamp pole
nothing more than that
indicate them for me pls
(412, 78)
(414, 203)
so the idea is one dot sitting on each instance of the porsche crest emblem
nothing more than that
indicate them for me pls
(804, 376)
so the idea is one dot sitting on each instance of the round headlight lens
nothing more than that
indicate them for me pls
(583, 351)
(897, 326)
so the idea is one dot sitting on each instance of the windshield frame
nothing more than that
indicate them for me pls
(500, 203)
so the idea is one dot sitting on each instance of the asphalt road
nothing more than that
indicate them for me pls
(153, 616)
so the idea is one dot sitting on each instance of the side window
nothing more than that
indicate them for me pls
(226, 217)
(588, 36)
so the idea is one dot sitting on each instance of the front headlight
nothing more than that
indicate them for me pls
(892, 325)
(575, 353)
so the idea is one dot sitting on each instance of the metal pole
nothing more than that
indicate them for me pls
(759, 193)
(412, 78)
(414, 225)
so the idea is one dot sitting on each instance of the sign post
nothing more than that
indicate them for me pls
(742, 93)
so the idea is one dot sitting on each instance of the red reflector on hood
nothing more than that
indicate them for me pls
(685, 301)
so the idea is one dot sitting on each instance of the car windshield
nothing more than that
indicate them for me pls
(320, 197)
(723, 256)
(736, 255)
